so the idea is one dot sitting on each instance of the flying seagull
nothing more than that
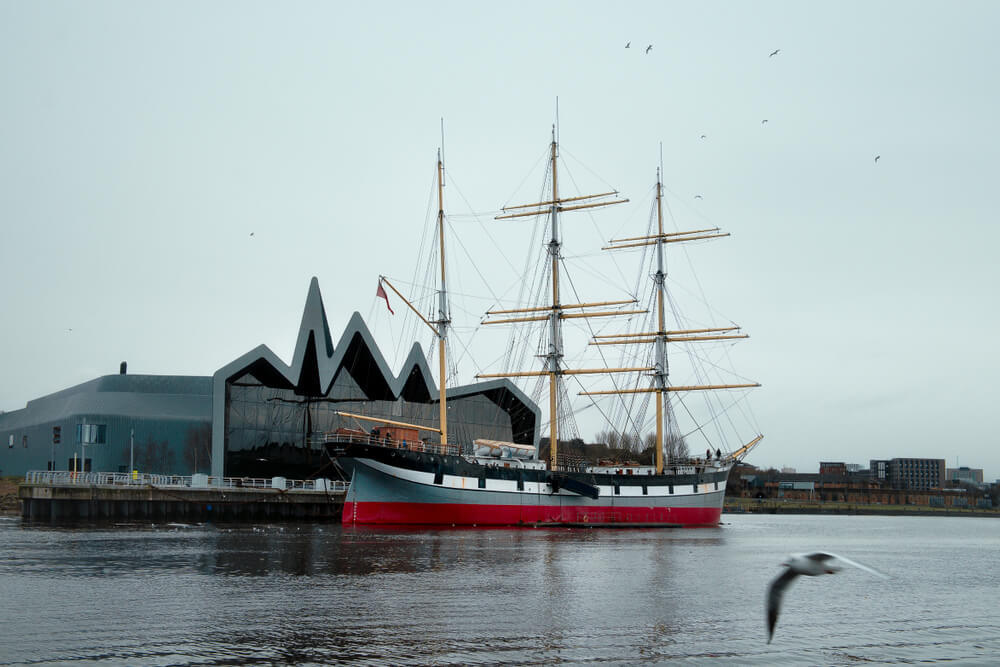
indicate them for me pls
(628, 45)
(649, 48)
(774, 53)
(763, 121)
(877, 157)
(697, 196)
(251, 233)
(809, 565)
(703, 136)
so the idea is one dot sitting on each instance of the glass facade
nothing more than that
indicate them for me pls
(91, 434)
(273, 431)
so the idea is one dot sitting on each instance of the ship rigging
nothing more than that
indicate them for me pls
(494, 482)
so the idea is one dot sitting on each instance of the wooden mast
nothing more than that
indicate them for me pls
(442, 312)
(662, 367)
(661, 370)
(554, 312)
(555, 328)
(442, 321)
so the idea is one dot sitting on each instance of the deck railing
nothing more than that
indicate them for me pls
(68, 477)
(334, 438)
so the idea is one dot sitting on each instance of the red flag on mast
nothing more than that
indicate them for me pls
(380, 292)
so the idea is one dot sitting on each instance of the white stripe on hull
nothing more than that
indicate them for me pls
(454, 488)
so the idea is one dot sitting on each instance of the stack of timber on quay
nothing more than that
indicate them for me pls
(65, 497)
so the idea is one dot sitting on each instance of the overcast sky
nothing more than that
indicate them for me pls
(173, 174)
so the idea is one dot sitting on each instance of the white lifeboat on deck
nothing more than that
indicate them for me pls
(501, 449)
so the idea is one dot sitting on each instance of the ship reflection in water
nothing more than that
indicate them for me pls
(332, 550)
(323, 594)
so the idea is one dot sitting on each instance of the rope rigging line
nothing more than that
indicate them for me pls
(727, 412)
(699, 428)
(700, 294)
(694, 211)
(697, 368)
(566, 154)
(700, 365)
(703, 361)
(593, 403)
(477, 217)
(473, 263)
(626, 357)
(649, 323)
(536, 286)
(751, 417)
(719, 412)
(533, 286)
(544, 156)
(568, 427)
(409, 328)
(430, 217)
(454, 363)
(576, 295)
(536, 396)
(593, 220)
(466, 353)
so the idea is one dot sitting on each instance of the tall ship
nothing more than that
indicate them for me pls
(398, 477)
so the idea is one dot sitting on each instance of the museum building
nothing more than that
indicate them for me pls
(256, 416)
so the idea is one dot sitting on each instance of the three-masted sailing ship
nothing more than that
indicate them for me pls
(398, 479)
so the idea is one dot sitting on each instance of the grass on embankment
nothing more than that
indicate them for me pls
(778, 506)
(9, 504)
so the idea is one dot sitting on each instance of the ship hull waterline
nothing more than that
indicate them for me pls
(384, 494)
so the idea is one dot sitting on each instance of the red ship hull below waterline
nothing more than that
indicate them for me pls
(403, 513)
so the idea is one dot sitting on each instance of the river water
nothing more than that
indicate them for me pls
(322, 594)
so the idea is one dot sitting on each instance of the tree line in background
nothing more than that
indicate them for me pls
(619, 447)
(675, 446)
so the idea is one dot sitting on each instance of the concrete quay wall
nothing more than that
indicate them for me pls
(44, 503)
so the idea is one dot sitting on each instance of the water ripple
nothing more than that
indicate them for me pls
(320, 594)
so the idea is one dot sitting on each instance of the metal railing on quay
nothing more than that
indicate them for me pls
(124, 479)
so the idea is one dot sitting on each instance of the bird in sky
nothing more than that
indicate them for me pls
(763, 121)
(697, 196)
(703, 136)
(251, 233)
(774, 53)
(649, 48)
(628, 45)
(877, 157)
(809, 565)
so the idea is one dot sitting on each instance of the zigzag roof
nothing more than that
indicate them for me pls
(317, 362)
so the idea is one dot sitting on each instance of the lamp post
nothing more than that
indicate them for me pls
(131, 450)
(83, 446)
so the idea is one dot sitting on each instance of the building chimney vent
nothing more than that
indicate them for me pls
(123, 368)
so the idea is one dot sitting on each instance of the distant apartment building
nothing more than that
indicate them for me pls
(965, 474)
(879, 469)
(835, 468)
(916, 473)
